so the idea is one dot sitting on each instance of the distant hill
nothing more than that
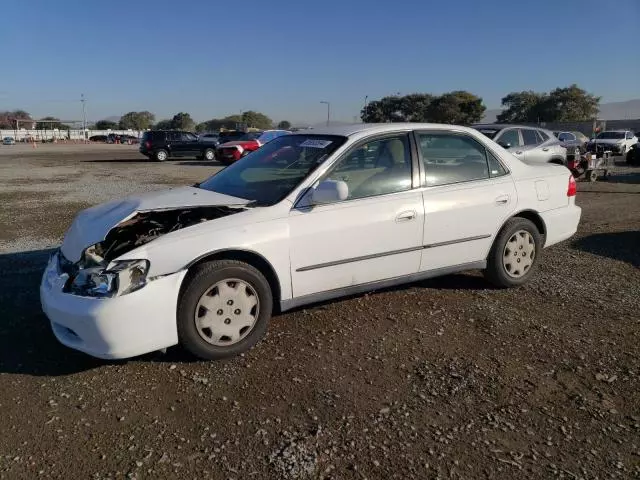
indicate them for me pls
(608, 111)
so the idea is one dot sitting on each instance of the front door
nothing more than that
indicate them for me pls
(374, 234)
(468, 195)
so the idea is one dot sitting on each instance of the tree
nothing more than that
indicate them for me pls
(569, 104)
(284, 125)
(522, 107)
(256, 120)
(51, 123)
(8, 119)
(163, 125)
(182, 121)
(137, 120)
(455, 107)
(105, 125)
(459, 107)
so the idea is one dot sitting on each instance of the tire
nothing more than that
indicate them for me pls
(161, 155)
(528, 240)
(209, 154)
(210, 334)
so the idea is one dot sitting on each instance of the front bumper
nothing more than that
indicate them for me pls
(112, 328)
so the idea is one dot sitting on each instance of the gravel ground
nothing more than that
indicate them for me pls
(446, 378)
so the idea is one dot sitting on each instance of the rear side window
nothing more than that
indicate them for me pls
(495, 167)
(529, 137)
(450, 158)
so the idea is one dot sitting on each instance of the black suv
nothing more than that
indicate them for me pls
(162, 144)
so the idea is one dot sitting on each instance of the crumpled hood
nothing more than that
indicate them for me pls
(92, 225)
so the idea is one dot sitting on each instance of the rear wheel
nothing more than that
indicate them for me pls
(161, 155)
(515, 253)
(224, 309)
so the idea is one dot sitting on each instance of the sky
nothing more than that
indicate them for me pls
(283, 58)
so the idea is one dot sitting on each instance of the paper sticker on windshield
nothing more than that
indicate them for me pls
(314, 143)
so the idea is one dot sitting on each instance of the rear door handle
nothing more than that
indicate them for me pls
(545, 149)
(519, 152)
(502, 200)
(406, 216)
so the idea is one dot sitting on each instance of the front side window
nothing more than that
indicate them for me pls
(188, 137)
(509, 137)
(529, 137)
(610, 136)
(377, 167)
(566, 136)
(270, 173)
(450, 158)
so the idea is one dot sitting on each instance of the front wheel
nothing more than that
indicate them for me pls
(224, 309)
(209, 154)
(515, 253)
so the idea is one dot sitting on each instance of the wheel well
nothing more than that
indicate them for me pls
(252, 259)
(535, 218)
(557, 161)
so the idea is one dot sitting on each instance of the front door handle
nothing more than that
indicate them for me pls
(406, 216)
(545, 149)
(518, 152)
(502, 200)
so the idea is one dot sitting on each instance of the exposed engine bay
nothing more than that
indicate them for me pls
(144, 227)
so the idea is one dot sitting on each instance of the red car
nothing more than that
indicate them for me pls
(230, 152)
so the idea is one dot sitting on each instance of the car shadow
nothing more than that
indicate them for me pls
(173, 161)
(27, 345)
(120, 160)
(623, 246)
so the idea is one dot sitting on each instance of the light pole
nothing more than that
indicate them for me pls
(328, 111)
(364, 110)
(84, 118)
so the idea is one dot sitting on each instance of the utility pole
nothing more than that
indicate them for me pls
(328, 111)
(84, 118)
(364, 110)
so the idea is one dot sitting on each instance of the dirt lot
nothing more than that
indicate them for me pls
(447, 378)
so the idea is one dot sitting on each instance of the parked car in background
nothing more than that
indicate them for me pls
(98, 138)
(530, 144)
(8, 141)
(234, 150)
(633, 155)
(351, 209)
(232, 135)
(618, 142)
(210, 138)
(128, 139)
(574, 142)
(164, 144)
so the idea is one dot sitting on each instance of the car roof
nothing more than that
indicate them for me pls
(374, 128)
(500, 126)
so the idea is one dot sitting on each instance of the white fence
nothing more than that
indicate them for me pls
(61, 135)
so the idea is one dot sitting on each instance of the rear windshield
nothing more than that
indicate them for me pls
(610, 135)
(489, 132)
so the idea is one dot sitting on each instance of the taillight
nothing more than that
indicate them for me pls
(148, 145)
(571, 191)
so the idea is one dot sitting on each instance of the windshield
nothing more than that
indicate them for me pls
(489, 132)
(610, 135)
(270, 173)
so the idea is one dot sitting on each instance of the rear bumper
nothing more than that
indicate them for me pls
(561, 223)
(113, 328)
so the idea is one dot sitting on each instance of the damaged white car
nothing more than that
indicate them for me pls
(308, 217)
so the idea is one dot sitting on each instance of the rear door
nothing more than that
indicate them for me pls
(468, 194)
(174, 144)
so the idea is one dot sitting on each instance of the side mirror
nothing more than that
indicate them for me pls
(504, 144)
(329, 191)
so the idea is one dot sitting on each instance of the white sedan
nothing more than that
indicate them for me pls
(308, 217)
